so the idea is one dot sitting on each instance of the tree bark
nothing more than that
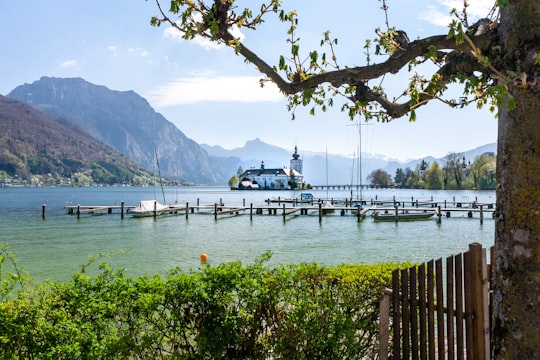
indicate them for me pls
(516, 315)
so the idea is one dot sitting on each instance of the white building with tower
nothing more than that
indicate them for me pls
(290, 178)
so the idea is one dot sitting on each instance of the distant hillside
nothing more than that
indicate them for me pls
(341, 169)
(126, 122)
(32, 143)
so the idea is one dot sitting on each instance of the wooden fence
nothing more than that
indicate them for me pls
(439, 311)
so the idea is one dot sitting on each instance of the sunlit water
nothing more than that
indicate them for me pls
(56, 247)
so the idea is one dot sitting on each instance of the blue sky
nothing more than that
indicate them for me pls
(212, 95)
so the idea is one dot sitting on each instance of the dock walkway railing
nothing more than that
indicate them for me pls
(439, 311)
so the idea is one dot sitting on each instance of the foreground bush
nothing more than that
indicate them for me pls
(229, 311)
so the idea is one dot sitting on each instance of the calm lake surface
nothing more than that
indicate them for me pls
(56, 247)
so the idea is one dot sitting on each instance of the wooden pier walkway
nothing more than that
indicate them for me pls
(292, 207)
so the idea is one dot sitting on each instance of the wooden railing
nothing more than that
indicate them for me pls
(439, 311)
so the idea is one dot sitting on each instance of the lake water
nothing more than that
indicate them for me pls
(56, 247)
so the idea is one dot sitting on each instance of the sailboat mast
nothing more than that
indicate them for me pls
(156, 162)
(326, 174)
(359, 161)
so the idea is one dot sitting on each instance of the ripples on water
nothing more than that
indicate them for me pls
(56, 247)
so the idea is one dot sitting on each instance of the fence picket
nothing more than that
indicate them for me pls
(431, 309)
(422, 310)
(413, 312)
(460, 345)
(396, 324)
(439, 286)
(450, 307)
(405, 319)
(467, 288)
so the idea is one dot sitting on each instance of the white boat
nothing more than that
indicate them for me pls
(147, 208)
(328, 208)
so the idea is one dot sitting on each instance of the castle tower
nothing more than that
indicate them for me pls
(296, 162)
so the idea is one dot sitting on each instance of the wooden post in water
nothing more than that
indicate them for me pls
(43, 211)
(78, 211)
(481, 214)
(122, 210)
(215, 211)
(187, 210)
(320, 212)
(251, 212)
(155, 209)
(284, 213)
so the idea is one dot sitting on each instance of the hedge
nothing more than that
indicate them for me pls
(230, 311)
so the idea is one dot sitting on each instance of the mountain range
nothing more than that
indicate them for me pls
(125, 121)
(341, 169)
(31, 143)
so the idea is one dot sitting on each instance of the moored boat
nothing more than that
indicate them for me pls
(402, 216)
(147, 208)
(328, 208)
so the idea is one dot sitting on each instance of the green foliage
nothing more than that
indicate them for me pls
(380, 178)
(233, 181)
(230, 311)
(456, 174)
(12, 276)
(483, 172)
(433, 177)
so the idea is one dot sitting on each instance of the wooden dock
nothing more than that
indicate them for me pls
(289, 208)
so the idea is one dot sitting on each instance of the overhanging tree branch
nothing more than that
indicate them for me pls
(216, 21)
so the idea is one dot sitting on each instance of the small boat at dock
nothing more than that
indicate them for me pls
(402, 216)
(147, 208)
(328, 208)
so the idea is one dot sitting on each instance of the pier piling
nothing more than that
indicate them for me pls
(481, 214)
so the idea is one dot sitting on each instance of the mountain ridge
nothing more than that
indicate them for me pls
(126, 122)
(33, 143)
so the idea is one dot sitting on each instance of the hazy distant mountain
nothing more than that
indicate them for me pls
(31, 143)
(341, 169)
(126, 122)
(253, 153)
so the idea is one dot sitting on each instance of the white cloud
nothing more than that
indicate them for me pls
(439, 13)
(69, 63)
(175, 34)
(211, 88)
(139, 51)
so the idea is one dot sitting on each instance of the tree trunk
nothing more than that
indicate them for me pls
(516, 302)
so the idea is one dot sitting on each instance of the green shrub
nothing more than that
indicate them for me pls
(231, 311)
